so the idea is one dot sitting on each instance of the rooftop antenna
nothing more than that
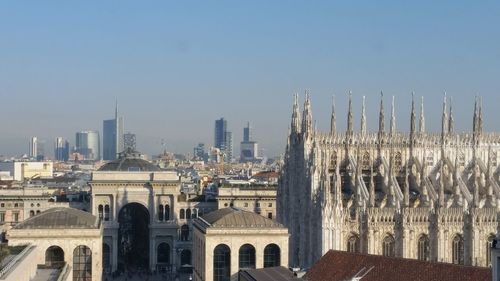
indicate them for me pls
(362, 273)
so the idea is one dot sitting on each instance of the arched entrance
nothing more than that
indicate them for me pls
(133, 237)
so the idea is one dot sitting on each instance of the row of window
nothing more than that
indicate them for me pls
(15, 216)
(104, 212)
(245, 204)
(188, 214)
(15, 205)
(423, 247)
(246, 259)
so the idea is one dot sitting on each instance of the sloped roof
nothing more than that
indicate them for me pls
(60, 218)
(278, 273)
(340, 266)
(235, 218)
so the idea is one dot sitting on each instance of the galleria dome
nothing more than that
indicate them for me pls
(129, 161)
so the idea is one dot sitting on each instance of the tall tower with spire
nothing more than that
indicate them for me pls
(112, 137)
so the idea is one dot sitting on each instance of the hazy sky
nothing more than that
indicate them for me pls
(176, 66)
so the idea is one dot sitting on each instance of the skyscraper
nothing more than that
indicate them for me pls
(129, 141)
(112, 138)
(248, 147)
(61, 149)
(229, 147)
(87, 144)
(220, 133)
(33, 148)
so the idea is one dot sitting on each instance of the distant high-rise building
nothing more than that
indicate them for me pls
(88, 145)
(33, 148)
(129, 141)
(248, 147)
(199, 152)
(220, 133)
(40, 150)
(229, 147)
(61, 149)
(112, 136)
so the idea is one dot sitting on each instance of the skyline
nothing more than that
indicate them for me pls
(177, 67)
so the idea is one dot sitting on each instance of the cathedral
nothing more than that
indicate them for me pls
(417, 194)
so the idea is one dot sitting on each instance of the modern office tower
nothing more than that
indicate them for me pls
(248, 147)
(33, 148)
(199, 152)
(220, 133)
(61, 149)
(40, 150)
(229, 147)
(112, 136)
(129, 141)
(87, 144)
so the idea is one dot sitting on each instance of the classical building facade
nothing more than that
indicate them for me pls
(257, 198)
(230, 239)
(146, 218)
(420, 195)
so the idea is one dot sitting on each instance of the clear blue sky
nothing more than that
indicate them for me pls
(176, 66)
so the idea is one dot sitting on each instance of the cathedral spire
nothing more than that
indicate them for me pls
(363, 118)
(295, 127)
(444, 121)
(381, 116)
(393, 118)
(480, 117)
(349, 116)
(421, 122)
(451, 122)
(307, 115)
(333, 121)
(412, 123)
(475, 123)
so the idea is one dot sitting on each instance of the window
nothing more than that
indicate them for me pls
(38, 204)
(270, 215)
(37, 212)
(423, 248)
(106, 213)
(32, 213)
(106, 257)
(398, 161)
(163, 253)
(185, 257)
(388, 246)
(54, 257)
(272, 255)
(15, 216)
(82, 264)
(160, 212)
(246, 204)
(188, 214)
(247, 256)
(100, 211)
(182, 214)
(458, 249)
(353, 244)
(225, 204)
(2, 216)
(194, 214)
(489, 244)
(16, 205)
(257, 204)
(270, 205)
(32, 205)
(167, 212)
(185, 232)
(222, 263)
(2, 205)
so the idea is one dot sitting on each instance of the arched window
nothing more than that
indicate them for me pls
(185, 232)
(194, 214)
(489, 244)
(423, 248)
(398, 161)
(160, 212)
(188, 214)
(365, 161)
(247, 256)
(272, 255)
(32, 213)
(106, 257)
(222, 263)
(185, 257)
(38, 212)
(167, 212)
(388, 246)
(100, 211)
(106, 213)
(458, 249)
(82, 264)
(353, 244)
(163, 253)
(182, 214)
(54, 257)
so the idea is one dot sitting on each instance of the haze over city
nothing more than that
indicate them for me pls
(177, 67)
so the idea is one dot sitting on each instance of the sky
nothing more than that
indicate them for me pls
(177, 66)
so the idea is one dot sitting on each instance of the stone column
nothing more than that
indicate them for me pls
(259, 256)
(152, 250)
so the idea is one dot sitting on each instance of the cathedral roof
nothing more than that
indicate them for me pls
(129, 161)
(235, 218)
(60, 218)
